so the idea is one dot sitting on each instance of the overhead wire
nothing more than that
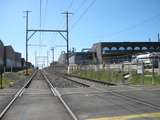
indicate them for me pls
(67, 9)
(83, 14)
(45, 13)
(40, 24)
(70, 5)
(80, 6)
(136, 25)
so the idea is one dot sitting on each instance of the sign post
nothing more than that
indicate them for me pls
(140, 70)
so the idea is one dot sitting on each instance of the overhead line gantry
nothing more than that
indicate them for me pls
(61, 32)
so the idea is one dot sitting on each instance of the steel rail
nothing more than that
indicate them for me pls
(57, 93)
(84, 84)
(18, 93)
(138, 100)
(92, 80)
(86, 79)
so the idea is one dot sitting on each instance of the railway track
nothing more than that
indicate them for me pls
(61, 81)
(82, 82)
(37, 99)
(115, 93)
(138, 100)
(114, 101)
(15, 97)
(118, 94)
(40, 99)
(91, 80)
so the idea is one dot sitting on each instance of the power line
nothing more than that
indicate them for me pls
(136, 25)
(80, 6)
(40, 24)
(83, 14)
(68, 8)
(40, 13)
(70, 5)
(45, 13)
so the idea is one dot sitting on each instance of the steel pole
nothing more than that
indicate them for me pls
(67, 40)
(27, 43)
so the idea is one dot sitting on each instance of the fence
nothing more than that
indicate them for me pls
(121, 73)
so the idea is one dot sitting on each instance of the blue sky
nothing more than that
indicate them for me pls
(105, 20)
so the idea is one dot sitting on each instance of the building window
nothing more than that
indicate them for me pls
(129, 48)
(113, 48)
(137, 48)
(144, 48)
(105, 50)
(151, 48)
(121, 48)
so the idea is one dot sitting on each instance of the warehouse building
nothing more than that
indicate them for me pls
(11, 60)
(114, 52)
(110, 52)
(62, 58)
(9, 56)
(18, 60)
(1, 54)
(83, 58)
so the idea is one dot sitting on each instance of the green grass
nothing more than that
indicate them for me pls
(117, 77)
(11, 77)
(101, 75)
(5, 83)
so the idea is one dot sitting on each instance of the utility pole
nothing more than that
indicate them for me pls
(35, 59)
(67, 39)
(27, 12)
(158, 38)
(52, 65)
(47, 58)
(52, 49)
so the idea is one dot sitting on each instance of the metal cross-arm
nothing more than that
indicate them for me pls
(40, 30)
(31, 35)
(62, 36)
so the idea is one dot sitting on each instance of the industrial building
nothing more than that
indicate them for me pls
(110, 52)
(1, 53)
(83, 58)
(122, 51)
(11, 60)
(18, 60)
(9, 54)
(62, 58)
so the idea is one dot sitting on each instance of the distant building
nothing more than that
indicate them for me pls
(109, 52)
(9, 55)
(1, 54)
(83, 58)
(62, 58)
(18, 60)
(121, 51)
